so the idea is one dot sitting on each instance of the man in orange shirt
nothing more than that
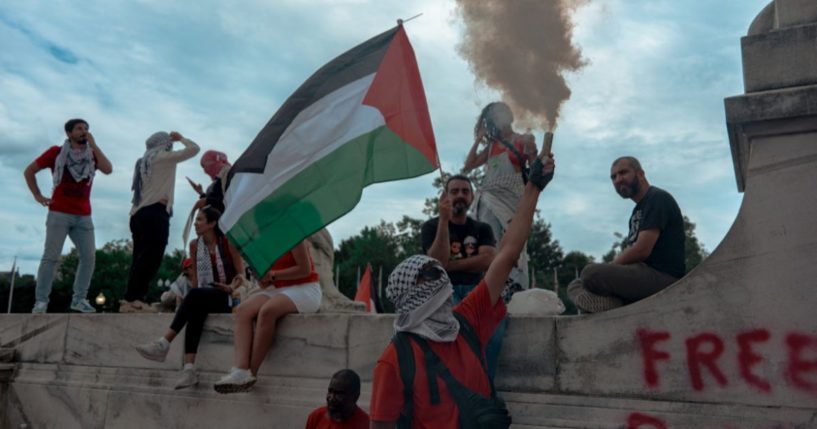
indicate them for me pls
(445, 335)
(341, 410)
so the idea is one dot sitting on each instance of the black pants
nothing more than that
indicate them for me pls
(149, 227)
(195, 307)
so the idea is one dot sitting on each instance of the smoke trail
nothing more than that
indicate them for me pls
(522, 49)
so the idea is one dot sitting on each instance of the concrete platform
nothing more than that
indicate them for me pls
(733, 345)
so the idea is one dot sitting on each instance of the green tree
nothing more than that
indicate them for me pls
(572, 265)
(694, 252)
(545, 253)
(376, 245)
(23, 298)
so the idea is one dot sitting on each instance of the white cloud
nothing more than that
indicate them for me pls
(218, 70)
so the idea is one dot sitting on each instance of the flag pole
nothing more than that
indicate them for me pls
(403, 21)
(337, 277)
(11, 283)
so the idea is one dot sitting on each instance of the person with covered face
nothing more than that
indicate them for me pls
(506, 157)
(73, 166)
(653, 254)
(154, 182)
(215, 165)
(429, 328)
(341, 410)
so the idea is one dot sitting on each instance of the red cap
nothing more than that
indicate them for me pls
(187, 263)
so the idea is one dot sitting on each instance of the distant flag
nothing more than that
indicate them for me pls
(337, 277)
(364, 290)
(360, 119)
(378, 306)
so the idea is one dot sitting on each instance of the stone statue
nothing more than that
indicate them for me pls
(323, 254)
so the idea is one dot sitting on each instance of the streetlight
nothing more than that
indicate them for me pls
(100, 299)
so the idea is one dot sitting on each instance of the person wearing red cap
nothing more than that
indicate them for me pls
(215, 165)
(182, 285)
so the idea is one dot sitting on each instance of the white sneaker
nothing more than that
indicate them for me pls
(153, 350)
(39, 307)
(237, 380)
(188, 378)
(83, 306)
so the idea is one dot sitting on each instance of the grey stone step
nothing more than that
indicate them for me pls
(6, 355)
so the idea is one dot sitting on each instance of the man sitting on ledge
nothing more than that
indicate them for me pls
(653, 257)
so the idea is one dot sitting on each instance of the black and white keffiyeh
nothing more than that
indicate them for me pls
(79, 162)
(158, 142)
(423, 308)
(204, 267)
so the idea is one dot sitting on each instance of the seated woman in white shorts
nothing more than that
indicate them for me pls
(290, 286)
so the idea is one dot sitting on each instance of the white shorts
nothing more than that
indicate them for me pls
(306, 297)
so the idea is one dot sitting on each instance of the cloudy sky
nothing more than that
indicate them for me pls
(217, 70)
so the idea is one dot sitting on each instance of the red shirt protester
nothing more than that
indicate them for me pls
(319, 419)
(69, 196)
(457, 356)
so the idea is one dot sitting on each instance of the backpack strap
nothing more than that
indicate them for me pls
(470, 335)
(405, 360)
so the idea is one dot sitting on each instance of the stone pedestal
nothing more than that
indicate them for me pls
(731, 345)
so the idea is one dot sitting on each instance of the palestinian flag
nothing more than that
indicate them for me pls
(361, 119)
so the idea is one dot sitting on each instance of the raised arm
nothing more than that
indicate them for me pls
(518, 230)
(103, 164)
(475, 158)
(440, 248)
(190, 148)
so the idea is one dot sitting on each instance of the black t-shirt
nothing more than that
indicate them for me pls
(464, 241)
(659, 210)
(214, 195)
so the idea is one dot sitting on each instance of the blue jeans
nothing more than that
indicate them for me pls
(494, 345)
(80, 229)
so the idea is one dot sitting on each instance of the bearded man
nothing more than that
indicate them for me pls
(653, 253)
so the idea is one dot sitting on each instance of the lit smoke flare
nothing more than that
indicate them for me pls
(522, 49)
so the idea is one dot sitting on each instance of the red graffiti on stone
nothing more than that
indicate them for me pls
(648, 340)
(698, 358)
(705, 358)
(644, 421)
(747, 358)
(801, 370)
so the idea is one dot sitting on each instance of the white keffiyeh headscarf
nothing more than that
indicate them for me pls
(80, 163)
(425, 309)
(158, 142)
